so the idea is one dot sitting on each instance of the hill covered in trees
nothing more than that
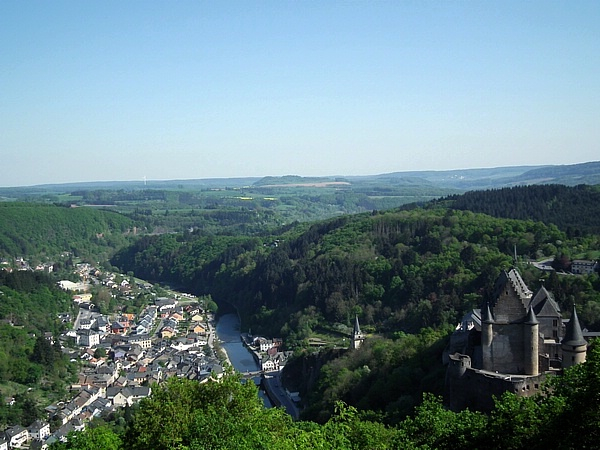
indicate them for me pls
(33, 229)
(396, 270)
(575, 210)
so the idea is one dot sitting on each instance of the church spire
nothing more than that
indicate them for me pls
(356, 326)
(357, 336)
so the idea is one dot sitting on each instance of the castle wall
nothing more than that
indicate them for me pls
(507, 350)
(550, 327)
(474, 389)
(508, 307)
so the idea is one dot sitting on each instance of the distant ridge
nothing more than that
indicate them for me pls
(458, 179)
(488, 178)
(298, 181)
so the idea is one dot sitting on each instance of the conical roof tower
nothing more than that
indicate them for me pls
(574, 346)
(573, 333)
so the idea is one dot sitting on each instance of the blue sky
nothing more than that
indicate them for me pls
(113, 90)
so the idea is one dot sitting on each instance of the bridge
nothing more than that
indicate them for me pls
(254, 374)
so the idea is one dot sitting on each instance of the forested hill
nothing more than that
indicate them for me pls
(398, 270)
(575, 210)
(30, 229)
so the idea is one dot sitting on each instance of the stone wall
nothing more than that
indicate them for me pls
(475, 389)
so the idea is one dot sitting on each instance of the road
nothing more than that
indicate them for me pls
(274, 387)
(543, 265)
(82, 314)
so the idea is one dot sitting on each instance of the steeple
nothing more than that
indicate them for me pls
(356, 326)
(357, 336)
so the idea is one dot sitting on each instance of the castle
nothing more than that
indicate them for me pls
(511, 344)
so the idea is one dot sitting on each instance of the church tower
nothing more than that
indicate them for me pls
(574, 346)
(357, 336)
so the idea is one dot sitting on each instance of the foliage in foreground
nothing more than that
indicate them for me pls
(229, 415)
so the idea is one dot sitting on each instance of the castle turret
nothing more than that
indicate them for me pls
(531, 342)
(487, 335)
(357, 336)
(574, 346)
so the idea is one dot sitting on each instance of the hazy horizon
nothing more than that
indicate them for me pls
(119, 91)
(143, 180)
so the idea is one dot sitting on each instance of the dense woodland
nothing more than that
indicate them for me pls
(576, 210)
(42, 231)
(398, 270)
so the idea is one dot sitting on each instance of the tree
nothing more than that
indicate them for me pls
(43, 352)
(575, 409)
(92, 438)
(100, 352)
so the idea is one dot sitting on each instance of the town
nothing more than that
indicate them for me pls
(122, 355)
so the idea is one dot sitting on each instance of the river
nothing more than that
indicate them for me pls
(228, 333)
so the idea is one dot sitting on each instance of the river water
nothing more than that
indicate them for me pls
(228, 333)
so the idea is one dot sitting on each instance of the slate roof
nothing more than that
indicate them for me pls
(543, 304)
(514, 278)
(573, 334)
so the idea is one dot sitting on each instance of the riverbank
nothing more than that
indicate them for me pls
(215, 344)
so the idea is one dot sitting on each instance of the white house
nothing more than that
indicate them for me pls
(39, 430)
(263, 344)
(583, 267)
(88, 338)
(16, 435)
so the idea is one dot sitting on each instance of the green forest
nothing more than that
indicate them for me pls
(44, 232)
(576, 210)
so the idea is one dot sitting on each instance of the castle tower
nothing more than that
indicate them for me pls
(357, 336)
(487, 335)
(574, 346)
(531, 342)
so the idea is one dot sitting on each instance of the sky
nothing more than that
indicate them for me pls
(122, 90)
